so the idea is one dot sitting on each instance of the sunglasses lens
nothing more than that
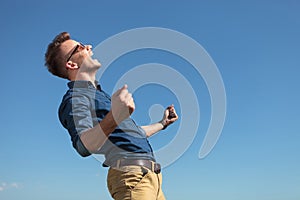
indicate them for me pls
(82, 45)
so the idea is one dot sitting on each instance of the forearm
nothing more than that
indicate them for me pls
(169, 117)
(122, 105)
(152, 128)
(94, 138)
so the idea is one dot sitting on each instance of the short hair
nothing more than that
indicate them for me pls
(54, 61)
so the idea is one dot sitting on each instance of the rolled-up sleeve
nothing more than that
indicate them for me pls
(75, 116)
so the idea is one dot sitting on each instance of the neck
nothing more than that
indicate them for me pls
(85, 77)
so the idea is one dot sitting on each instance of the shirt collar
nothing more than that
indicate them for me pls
(83, 84)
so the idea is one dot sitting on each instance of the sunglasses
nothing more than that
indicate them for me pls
(75, 50)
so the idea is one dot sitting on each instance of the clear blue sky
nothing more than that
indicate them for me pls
(256, 46)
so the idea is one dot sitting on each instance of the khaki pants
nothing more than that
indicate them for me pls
(134, 183)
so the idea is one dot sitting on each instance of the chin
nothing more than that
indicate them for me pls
(97, 63)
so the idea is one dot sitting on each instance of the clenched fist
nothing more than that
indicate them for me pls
(122, 104)
(170, 116)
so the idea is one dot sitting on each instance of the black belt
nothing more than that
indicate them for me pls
(153, 166)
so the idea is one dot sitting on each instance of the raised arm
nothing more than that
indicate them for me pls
(122, 106)
(170, 116)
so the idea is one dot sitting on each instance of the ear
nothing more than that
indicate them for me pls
(71, 65)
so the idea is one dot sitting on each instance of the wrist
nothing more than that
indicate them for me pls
(164, 124)
(110, 120)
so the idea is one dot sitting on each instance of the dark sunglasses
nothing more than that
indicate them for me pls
(75, 50)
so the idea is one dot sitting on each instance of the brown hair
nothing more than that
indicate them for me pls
(54, 61)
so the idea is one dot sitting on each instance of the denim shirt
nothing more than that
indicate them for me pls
(83, 107)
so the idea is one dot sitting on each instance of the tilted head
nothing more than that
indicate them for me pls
(65, 56)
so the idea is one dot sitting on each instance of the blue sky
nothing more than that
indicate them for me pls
(255, 45)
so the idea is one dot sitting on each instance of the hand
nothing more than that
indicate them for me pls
(122, 104)
(170, 116)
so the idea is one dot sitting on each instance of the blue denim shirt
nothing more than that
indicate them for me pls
(83, 107)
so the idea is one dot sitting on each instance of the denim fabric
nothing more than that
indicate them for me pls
(83, 107)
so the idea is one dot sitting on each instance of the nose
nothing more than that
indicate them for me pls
(89, 47)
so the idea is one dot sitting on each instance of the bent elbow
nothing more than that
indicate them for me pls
(81, 149)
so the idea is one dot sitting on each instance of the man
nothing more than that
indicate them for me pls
(100, 124)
